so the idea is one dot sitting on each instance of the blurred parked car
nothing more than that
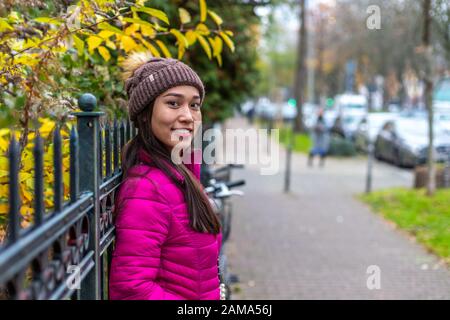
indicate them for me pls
(346, 124)
(351, 103)
(265, 109)
(288, 111)
(368, 128)
(404, 142)
(441, 96)
(444, 120)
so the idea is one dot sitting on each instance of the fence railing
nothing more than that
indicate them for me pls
(66, 253)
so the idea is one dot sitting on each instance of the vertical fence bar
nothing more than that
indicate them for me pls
(108, 149)
(74, 165)
(38, 152)
(57, 166)
(128, 129)
(122, 139)
(116, 145)
(14, 197)
(88, 128)
(100, 152)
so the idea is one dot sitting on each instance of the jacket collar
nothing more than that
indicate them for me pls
(193, 165)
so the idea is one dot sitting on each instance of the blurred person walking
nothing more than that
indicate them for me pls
(320, 137)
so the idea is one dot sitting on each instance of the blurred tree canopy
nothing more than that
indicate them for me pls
(338, 32)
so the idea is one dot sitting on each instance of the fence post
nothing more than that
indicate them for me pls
(88, 126)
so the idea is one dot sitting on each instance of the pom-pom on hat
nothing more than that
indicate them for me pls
(146, 77)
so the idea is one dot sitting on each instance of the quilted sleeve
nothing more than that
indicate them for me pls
(142, 226)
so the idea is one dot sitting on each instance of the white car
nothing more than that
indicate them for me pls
(351, 104)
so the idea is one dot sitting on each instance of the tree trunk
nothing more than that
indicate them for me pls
(431, 185)
(300, 75)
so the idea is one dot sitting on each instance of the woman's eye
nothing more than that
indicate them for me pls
(172, 103)
(196, 105)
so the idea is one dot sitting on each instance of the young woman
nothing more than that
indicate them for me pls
(167, 236)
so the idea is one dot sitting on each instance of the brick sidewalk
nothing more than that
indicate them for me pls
(317, 241)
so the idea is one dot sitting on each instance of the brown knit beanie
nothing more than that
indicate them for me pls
(155, 76)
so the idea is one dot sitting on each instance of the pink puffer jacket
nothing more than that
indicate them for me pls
(157, 255)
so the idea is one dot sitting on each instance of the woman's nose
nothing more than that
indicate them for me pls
(186, 114)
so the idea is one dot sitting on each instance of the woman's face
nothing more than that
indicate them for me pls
(176, 116)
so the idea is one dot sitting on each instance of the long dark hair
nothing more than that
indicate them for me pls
(201, 215)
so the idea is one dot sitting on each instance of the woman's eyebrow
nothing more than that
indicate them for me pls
(179, 95)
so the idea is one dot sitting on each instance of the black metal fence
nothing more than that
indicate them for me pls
(66, 253)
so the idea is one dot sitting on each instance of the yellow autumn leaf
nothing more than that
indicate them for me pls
(161, 15)
(79, 44)
(203, 10)
(185, 17)
(4, 132)
(202, 29)
(105, 34)
(4, 173)
(131, 29)
(138, 21)
(148, 31)
(218, 20)
(108, 27)
(128, 43)
(28, 164)
(216, 44)
(227, 40)
(191, 37)
(164, 49)
(205, 45)
(93, 43)
(46, 128)
(104, 53)
(4, 144)
(4, 25)
(24, 176)
(182, 41)
(151, 47)
(111, 44)
(219, 60)
(4, 163)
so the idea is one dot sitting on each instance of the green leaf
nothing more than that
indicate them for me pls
(203, 10)
(218, 20)
(185, 17)
(155, 13)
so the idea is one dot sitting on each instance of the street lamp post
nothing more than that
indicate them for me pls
(370, 152)
(287, 175)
